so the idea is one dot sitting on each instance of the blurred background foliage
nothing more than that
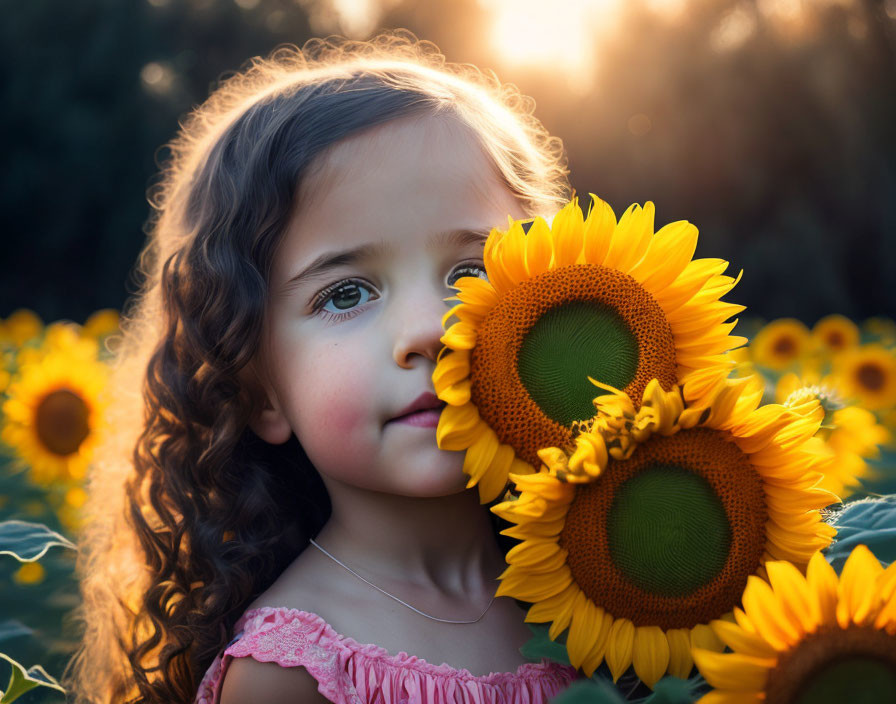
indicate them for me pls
(767, 123)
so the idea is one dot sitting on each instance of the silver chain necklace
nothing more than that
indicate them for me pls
(392, 596)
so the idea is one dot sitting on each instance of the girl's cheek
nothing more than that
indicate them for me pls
(339, 395)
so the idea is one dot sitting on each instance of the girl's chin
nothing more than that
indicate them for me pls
(435, 487)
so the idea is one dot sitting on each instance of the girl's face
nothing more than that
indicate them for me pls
(389, 222)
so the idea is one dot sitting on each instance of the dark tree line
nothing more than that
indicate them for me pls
(781, 147)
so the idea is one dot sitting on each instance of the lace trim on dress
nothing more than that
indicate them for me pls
(352, 672)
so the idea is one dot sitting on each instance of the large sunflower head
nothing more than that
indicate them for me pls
(868, 374)
(637, 547)
(583, 297)
(54, 408)
(781, 344)
(809, 639)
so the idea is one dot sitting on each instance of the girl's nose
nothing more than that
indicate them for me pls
(419, 327)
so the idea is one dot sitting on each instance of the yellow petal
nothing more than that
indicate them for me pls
(541, 556)
(494, 268)
(513, 253)
(680, 661)
(733, 671)
(493, 483)
(741, 641)
(456, 394)
(856, 593)
(794, 594)
(479, 454)
(650, 654)
(702, 636)
(767, 615)
(539, 248)
(583, 630)
(886, 589)
(670, 251)
(459, 427)
(632, 237)
(451, 368)
(533, 587)
(619, 646)
(460, 336)
(599, 228)
(567, 230)
(600, 645)
(477, 293)
(590, 454)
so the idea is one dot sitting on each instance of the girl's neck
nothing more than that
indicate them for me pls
(445, 543)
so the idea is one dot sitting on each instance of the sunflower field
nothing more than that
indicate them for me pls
(52, 381)
(703, 509)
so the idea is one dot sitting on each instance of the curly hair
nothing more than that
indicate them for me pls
(192, 515)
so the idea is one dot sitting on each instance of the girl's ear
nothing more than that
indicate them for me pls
(267, 422)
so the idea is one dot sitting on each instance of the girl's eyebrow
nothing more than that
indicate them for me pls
(346, 257)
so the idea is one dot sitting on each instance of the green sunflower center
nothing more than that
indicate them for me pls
(568, 344)
(61, 422)
(667, 530)
(858, 680)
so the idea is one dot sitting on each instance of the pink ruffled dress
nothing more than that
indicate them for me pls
(349, 672)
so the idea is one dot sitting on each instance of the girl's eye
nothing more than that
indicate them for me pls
(469, 269)
(342, 299)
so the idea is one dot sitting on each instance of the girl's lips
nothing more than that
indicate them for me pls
(421, 419)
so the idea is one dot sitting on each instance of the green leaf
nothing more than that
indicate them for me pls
(870, 522)
(21, 681)
(29, 541)
(673, 690)
(541, 646)
(587, 692)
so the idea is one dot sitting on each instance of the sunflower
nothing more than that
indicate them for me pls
(637, 548)
(812, 638)
(836, 333)
(581, 297)
(881, 329)
(868, 373)
(53, 413)
(852, 434)
(20, 327)
(781, 343)
(102, 323)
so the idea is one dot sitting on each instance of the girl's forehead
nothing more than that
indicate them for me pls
(407, 145)
(408, 177)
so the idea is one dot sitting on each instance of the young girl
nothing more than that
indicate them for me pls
(283, 527)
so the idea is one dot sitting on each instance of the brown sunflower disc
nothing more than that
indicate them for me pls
(61, 422)
(497, 389)
(785, 346)
(628, 577)
(833, 663)
(871, 377)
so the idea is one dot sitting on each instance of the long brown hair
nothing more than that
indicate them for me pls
(192, 515)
